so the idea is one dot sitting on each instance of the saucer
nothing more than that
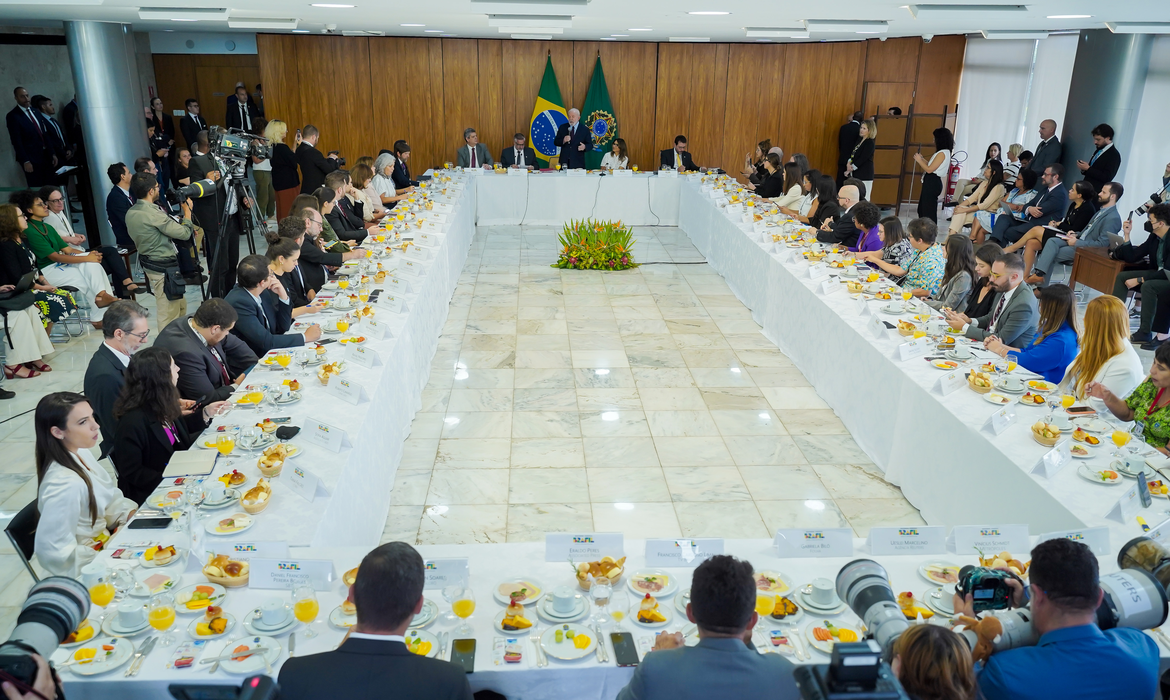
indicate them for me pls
(1001, 384)
(339, 619)
(937, 600)
(427, 615)
(1093, 425)
(498, 625)
(952, 355)
(997, 398)
(632, 616)
(805, 602)
(231, 624)
(251, 627)
(893, 310)
(230, 496)
(681, 600)
(114, 629)
(544, 609)
(249, 665)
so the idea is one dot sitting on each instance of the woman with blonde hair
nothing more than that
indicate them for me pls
(1106, 354)
(860, 163)
(286, 179)
(1012, 167)
(933, 663)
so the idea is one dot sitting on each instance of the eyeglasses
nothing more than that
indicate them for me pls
(56, 200)
(141, 336)
(997, 275)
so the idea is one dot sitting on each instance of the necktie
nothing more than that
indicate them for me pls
(676, 159)
(222, 368)
(998, 310)
(1094, 158)
(519, 157)
(35, 121)
(170, 434)
(263, 316)
(473, 163)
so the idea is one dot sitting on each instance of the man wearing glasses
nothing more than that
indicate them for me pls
(125, 329)
(842, 230)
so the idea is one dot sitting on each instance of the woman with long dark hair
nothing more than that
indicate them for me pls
(809, 202)
(1055, 346)
(985, 197)
(958, 275)
(934, 170)
(79, 503)
(753, 163)
(1082, 205)
(792, 187)
(151, 424)
(773, 183)
(827, 206)
(618, 157)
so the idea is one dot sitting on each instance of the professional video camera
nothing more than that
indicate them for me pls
(253, 688)
(54, 608)
(237, 145)
(856, 672)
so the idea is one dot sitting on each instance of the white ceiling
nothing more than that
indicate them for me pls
(596, 19)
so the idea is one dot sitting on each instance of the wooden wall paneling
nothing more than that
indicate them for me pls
(522, 68)
(801, 122)
(282, 84)
(892, 60)
(340, 109)
(492, 131)
(880, 96)
(939, 71)
(672, 107)
(630, 75)
(752, 111)
(414, 115)
(177, 82)
(708, 102)
(460, 92)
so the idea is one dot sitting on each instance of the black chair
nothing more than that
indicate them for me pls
(22, 533)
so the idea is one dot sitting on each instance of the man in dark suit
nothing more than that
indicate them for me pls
(474, 154)
(44, 109)
(30, 144)
(212, 362)
(373, 659)
(574, 140)
(1103, 165)
(242, 112)
(847, 137)
(192, 124)
(401, 173)
(1049, 151)
(263, 320)
(842, 230)
(222, 252)
(314, 166)
(124, 330)
(1047, 207)
(118, 202)
(346, 221)
(519, 155)
(677, 158)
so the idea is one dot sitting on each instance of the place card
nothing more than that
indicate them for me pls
(828, 542)
(345, 390)
(1054, 460)
(1000, 420)
(1160, 531)
(950, 381)
(378, 330)
(415, 252)
(576, 172)
(518, 172)
(760, 227)
(862, 305)
(430, 239)
(444, 572)
(287, 574)
(301, 481)
(990, 538)
(721, 201)
(830, 286)
(914, 348)
(445, 208)
(877, 328)
(682, 552)
(1095, 538)
(410, 268)
(734, 209)
(785, 254)
(623, 173)
(1127, 507)
(324, 435)
(818, 271)
(668, 173)
(400, 286)
(363, 356)
(920, 539)
(255, 549)
(432, 227)
(583, 546)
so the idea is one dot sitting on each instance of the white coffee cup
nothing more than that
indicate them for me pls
(216, 492)
(91, 572)
(962, 351)
(563, 599)
(273, 611)
(823, 593)
(131, 615)
(936, 327)
(1013, 383)
(1061, 420)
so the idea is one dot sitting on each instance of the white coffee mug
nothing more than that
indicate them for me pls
(131, 615)
(563, 599)
(962, 351)
(273, 611)
(216, 492)
(91, 572)
(1062, 421)
(824, 593)
(1013, 383)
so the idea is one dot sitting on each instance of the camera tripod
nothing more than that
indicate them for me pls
(252, 219)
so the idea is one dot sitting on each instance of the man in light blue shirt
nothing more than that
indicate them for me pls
(1073, 658)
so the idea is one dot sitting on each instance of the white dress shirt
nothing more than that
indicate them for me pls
(519, 157)
(123, 357)
(611, 160)
(1007, 299)
(60, 223)
(378, 637)
(245, 118)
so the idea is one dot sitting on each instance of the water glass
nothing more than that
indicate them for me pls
(600, 591)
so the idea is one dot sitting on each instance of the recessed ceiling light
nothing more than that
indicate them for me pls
(432, 31)
(178, 19)
(608, 38)
(619, 34)
(298, 31)
(411, 25)
(639, 29)
(1069, 16)
(709, 12)
(331, 5)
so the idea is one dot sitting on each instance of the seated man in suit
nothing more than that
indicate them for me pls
(124, 330)
(841, 230)
(1046, 208)
(206, 352)
(724, 664)
(574, 141)
(1063, 248)
(519, 155)
(263, 309)
(1103, 165)
(474, 154)
(118, 202)
(373, 661)
(677, 158)
(1014, 315)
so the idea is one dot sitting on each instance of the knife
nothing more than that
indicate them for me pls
(292, 644)
(443, 646)
(602, 654)
(139, 656)
(233, 655)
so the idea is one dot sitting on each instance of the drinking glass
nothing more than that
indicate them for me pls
(225, 443)
(102, 593)
(1067, 400)
(463, 607)
(1013, 361)
(305, 607)
(343, 324)
(251, 434)
(619, 603)
(765, 604)
(364, 295)
(283, 359)
(161, 615)
(123, 582)
(1121, 438)
(601, 591)
(450, 594)
(1001, 367)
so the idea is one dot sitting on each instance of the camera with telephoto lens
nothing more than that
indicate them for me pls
(988, 587)
(1155, 198)
(54, 608)
(856, 672)
(200, 188)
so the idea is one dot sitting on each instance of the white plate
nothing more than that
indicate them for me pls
(498, 623)
(943, 365)
(528, 581)
(939, 601)
(1033, 405)
(681, 600)
(293, 397)
(668, 590)
(212, 525)
(251, 628)
(165, 498)
(113, 629)
(950, 355)
(141, 575)
(1041, 386)
(339, 619)
(1090, 475)
(123, 651)
(231, 625)
(924, 573)
(426, 636)
(632, 615)
(566, 650)
(1001, 384)
(893, 310)
(825, 647)
(803, 601)
(786, 586)
(427, 615)
(253, 663)
(96, 628)
(1093, 425)
(1120, 467)
(794, 618)
(544, 609)
(177, 559)
(231, 497)
(216, 597)
(293, 450)
(1088, 451)
(998, 399)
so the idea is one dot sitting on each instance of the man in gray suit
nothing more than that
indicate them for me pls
(1063, 247)
(1014, 315)
(1049, 150)
(474, 154)
(724, 664)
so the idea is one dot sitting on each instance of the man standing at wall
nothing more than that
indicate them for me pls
(30, 143)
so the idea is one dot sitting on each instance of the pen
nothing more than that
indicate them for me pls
(1142, 522)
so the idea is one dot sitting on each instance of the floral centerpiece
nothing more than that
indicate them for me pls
(596, 245)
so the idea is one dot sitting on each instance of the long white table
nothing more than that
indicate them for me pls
(550, 199)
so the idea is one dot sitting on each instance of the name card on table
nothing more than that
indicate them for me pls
(583, 546)
(363, 356)
(784, 253)
(441, 573)
(667, 173)
(721, 201)
(429, 239)
(990, 538)
(378, 330)
(1127, 507)
(920, 539)
(862, 305)
(950, 381)
(1095, 538)
(410, 268)
(914, 348)
(1000, 420)
(345, 390)
(287, 574)
(734, 209)
(830, 285)
(302, 481)
(324, 435)
(576, 172)
(432, 226)
(436, 216)
(518, 172)
(760, 227)
(682, 552)
(1159, 532)
(829, 542)
(254, 550)
(1054, 460)
(818, 271)
(392, 303)
(415, 252)
(444, 208)
(400, 286)
(623, 173)
(877, 328)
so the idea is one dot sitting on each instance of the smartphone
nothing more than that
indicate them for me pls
(625, 653)
(1130, 217)
(298, 132)
(149, 523)
(1081, 411)
(1144, 490)
(326, 341)
(463, 653)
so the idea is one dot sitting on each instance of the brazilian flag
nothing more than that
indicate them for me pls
(598, 118)
(547, 116)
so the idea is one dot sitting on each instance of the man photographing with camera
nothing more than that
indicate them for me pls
(154, 233)
(1072, 653)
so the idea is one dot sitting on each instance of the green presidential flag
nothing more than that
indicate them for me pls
(598, 117)
(547, 116)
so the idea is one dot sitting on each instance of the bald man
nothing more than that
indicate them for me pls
(1049, 150)
(842, 231)
(574, 140)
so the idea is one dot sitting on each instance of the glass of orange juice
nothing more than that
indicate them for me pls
(1013, 361)
(463, 607)
(343, 324)
(364, 295)
(765, 604)
(305, 607)
(343, 283)
(1121, 438)
(1067, 400)
(225, 443)
(283, 359)
(161, 615)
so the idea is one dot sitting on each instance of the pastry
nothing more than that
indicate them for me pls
(350, 577)
(648, 612)
(514, 617)
(784, 608)
(225, 571)
(607, 566)
(268, 425)
(257, 498)
(81, 634)
(294, 385)
(160, 555)
(910, 607)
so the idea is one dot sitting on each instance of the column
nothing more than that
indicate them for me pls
(113, 116)
(1109, 74)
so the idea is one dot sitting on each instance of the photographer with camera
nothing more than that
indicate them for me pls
(154, 233)
(1064, 593)
(222, 247)
(43, 688)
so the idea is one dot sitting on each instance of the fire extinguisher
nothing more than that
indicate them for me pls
(952, 179)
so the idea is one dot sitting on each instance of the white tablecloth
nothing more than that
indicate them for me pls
(551, 199)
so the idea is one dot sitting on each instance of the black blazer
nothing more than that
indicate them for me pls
(191, 126)
(976, 308)
(262, 334)
(118, 202)
(772, 185)
(1077, 218)
(843, 231)
(284, 171)
(71, 120)
(863, 160)
(508, 157)
(666, 159)
(314, 167)
(372, 669)
(759, 173)
(847, 137)
(103, 382)
(28, 143)
(200, 378)
(1104, 169)
(55, 135)
(294, 284)
(825, 211)
(313, 263)
(570, 156)
(1147, 251)
(164, 126)
(346, 222)
(207, 210)
(401, 175)
(233, 120)
(14, 261)
(142, 450)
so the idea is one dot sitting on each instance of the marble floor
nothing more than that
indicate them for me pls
(644, 401)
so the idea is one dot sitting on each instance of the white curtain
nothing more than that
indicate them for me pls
(1142, 168)
(991, 97)
(1051, 79)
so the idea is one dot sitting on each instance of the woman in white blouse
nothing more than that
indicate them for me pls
(617, 158)
(58, 218)
(79, 502)
(1106, 355)
(793, 190)
(383, 183)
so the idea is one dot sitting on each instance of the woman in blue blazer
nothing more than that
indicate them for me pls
(1056, 342)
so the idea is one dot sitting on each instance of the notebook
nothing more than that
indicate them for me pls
(193, 462)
